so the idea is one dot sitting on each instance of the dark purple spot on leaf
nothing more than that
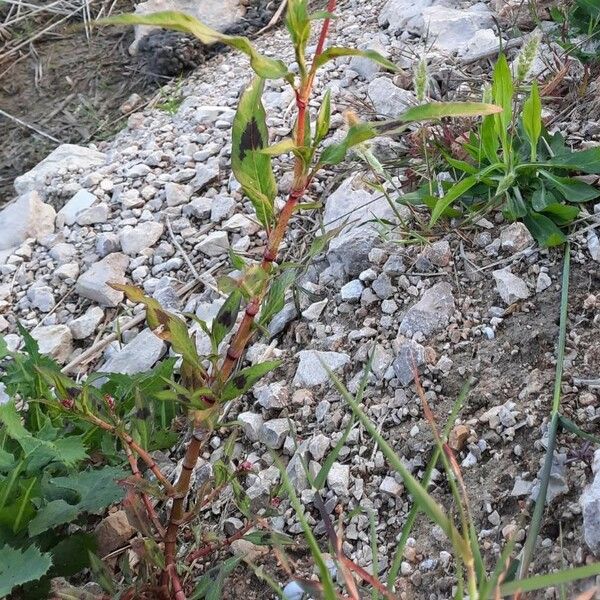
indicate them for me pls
(251, 139)
(240, 381)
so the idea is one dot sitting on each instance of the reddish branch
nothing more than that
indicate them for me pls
(210, 548)
(245, 329)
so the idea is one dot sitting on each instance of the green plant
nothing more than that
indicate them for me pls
(46, 482)
(512, 162)
(580, 28)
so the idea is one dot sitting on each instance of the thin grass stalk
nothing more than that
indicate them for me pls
(538, 512)
(416, 509)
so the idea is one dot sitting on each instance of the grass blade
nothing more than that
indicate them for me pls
(539, 582)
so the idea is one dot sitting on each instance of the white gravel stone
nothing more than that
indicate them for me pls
(136, 239)
(252, 423)
(176, 194)
(215, 244)
(388, 99)
(93, 215)
(42, 298)
(338, 479)
(311, 372)
(93, 284)
(81, 201)
(272, 433)
(431, 312)
(54, 340)
(138, 356)
(390, 486)
(510, 287)
(85, 325)
(352, 291)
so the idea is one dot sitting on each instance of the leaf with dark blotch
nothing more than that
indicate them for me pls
(251, 167)
(251, 139)
(226, 318)
(242, 381)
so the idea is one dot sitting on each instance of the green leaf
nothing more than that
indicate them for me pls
(335, 52)
(515, 206)
(546, 233)
(297, 22)
(572, 190)
(267, 68)
(282, 147)
(563, 213)
(542, 197)
(96, 489)
(250, 166)
(455, 192)
(268, 538)
(489, 139)
(323, 118)
(357, 134)
(539, 582)
(210, 585)
(584, 161)
(532, 118)
(17, 567)
(591, 7)
(275, 299)
(502, 94)
(70, 555)
(243, 380)
(226, 317)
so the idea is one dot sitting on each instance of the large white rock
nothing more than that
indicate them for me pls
(217, 14)
(85, 325)
(26, 217)
(93, 284)
(403, 15)
(55, 341)
(145, 235)
(510, 287)
(451, 29)
(140, 355)
(67, 156)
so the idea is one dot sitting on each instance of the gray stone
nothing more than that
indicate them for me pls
(217, 14)
(26, 217)
(314, 311)
(273, 396)
(66, 156)
(272, 433)
(137, 171)
(215, 244)
(176, 194)
(354, 210)
(403, 15)
(366, 68)
(85, 325)
(4, 397)
(54, 340)
(521, 487)
(82, 200)
(199, 208)
(41, 297)
(93, 215)
(286, 315)
(431, 312)
(590, 505)
(93, 283)
(390, 487)
(311, 372)
(63, 252)
(383, 287)
(318, 446)
(510, 287)
(205, 174)
(543, 282)
(388, 99)
(252, 423)
(222, 208)
(437, 254)
(145, 235)
(515, 237)
(409, 356)
(557, 484)
(451, 29)
(338, 479)
(138, 356)
(593, 244)
(107, 243)
(352, 291)
(68, 271)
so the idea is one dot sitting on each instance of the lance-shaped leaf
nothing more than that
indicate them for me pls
(335, 52)
(251, 167)
(263, 66)
(584, 161)
(532, 118)
(170, 328)
(243, 380)
(323, 118)
(334, 154)
(226, 317)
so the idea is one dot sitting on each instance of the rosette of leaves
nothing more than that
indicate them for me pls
(514, 163)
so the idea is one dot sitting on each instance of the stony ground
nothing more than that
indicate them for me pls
(157, 206)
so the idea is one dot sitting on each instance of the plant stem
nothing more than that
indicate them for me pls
(245, 329)
(538, 512)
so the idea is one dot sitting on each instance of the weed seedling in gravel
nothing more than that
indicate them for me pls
(513, 163)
